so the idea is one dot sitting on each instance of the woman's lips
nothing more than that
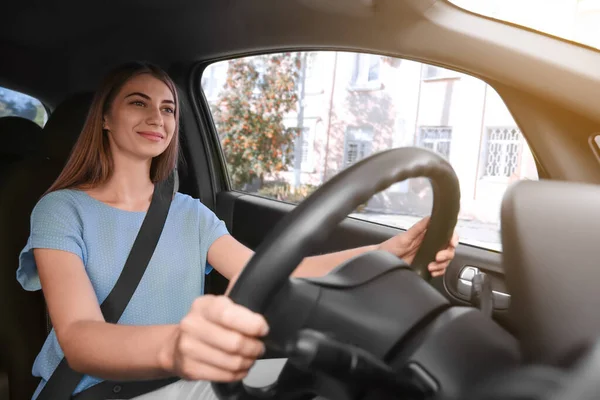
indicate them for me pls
(153, 136)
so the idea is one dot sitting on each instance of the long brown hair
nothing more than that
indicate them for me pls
(90, 163)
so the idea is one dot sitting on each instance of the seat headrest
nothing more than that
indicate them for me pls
(64, 126)
(20, 136)
(550, 232)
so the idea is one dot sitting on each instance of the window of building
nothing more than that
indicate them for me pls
(434, 72)
(367, 69)
(503, 152)
(436, 138)
(358, 145)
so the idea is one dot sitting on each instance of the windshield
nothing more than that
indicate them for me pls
(575, 20)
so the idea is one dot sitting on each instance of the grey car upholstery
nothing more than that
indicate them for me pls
(551, 246)
(23, 326)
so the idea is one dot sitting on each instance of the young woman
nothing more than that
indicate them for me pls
(83, 229)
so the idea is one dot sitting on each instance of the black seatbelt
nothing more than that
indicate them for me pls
(64, 380)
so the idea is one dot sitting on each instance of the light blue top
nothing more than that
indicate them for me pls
(102, 236)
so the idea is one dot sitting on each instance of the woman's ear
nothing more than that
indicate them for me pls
(105, 125)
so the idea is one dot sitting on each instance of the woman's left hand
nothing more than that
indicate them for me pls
(406, 244)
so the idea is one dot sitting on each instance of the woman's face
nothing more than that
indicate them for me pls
(141, 119)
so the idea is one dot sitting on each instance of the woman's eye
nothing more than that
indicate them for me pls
(138, 103)
(169, 110)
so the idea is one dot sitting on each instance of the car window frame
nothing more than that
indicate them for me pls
(221, 171)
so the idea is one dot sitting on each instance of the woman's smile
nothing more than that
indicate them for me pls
(153, 136)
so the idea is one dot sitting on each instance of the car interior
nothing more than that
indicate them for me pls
(520, 323)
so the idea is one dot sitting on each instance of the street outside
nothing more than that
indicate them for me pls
(472, 232)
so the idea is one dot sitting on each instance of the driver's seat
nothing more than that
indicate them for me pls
(23, 326)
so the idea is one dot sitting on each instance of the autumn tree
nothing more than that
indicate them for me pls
(258, 93)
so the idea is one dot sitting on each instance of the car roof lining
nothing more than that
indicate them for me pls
(57, 40)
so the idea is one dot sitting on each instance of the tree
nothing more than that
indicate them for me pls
(258, 93)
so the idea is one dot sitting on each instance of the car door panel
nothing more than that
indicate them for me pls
(250, 218)
(486, 261)
(254, 217)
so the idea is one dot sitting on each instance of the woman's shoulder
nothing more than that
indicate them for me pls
(191, 210)
(185, 200)
(62, 202)
(187, 203)
(61, 197)
(58, 199)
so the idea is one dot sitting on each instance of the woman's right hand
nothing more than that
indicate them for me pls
(217, 341)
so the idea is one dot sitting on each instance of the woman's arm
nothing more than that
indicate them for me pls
(91, 345)
(217, 340)
(228, 256)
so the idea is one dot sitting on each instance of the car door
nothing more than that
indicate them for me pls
(281, 124)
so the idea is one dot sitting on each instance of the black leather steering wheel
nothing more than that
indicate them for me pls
(315, 219)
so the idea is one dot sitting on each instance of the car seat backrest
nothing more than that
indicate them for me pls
(20, 138)
(22, 314)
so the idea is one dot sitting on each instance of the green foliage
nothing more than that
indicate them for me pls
(249, 113)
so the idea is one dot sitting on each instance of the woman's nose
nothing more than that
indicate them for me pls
(155, 117)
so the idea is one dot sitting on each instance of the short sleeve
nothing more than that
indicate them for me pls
(211, 228)
(55, 224)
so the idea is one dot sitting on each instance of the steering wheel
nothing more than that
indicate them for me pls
(311, 222)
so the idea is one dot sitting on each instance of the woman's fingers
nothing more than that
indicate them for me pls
(443, 258)
(218, 340)
(226, 313)
(435, 274)
(435, 266)
(225, 340)
(444, 255)
(204, 353)
(231, 328)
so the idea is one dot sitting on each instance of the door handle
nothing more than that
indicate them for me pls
(465, 284)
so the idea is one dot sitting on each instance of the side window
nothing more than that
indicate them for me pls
(289, 122)
(20, 105)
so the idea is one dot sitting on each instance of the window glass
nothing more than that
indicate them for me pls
(289, 122)
(20, 105)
